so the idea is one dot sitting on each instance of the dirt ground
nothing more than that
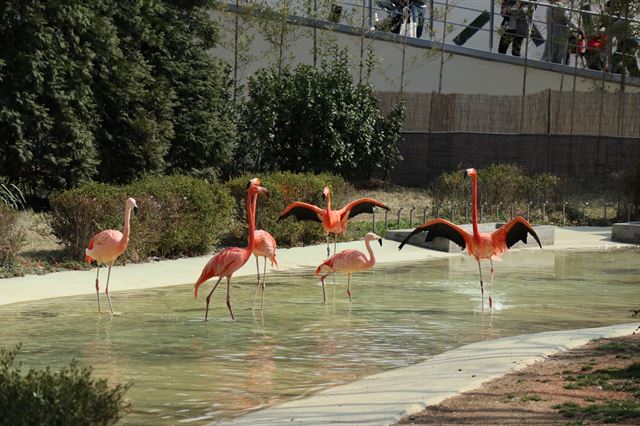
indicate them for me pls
(530, 395)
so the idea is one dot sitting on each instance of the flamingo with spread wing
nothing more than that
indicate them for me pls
(333, 221)
(481, 245)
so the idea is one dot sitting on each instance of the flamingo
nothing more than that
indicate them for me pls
(481, 245)
(265, 246)
(229, 260)
(347, 262)
(107, 245)
(333, 221)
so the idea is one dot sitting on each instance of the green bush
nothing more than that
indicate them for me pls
(70, 396)
(503, 184)
(285, 188)
(317, 120)
(12, 237)
(178, 215)
(184, 216)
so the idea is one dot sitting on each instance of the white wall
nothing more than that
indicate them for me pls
(462, 73)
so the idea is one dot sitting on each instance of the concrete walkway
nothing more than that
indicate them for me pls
(181, 271)
(385, 398)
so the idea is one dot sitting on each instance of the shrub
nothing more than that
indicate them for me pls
(70, 396)
(285, 188)
(497, 184)
(317, 120)
(184, 216)
(12, 237)
(178, 215)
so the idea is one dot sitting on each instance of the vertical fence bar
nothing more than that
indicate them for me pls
(399, 212)
(492, 8)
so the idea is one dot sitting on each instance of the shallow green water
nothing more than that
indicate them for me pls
(188, 371)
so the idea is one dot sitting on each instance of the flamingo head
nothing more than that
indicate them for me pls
(470, 172)
(257, 189)
(325, 193)
(131, 204)
(371, 237)
(254, 181)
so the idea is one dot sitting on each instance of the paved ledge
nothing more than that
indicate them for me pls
(628, 232)
(384, 398)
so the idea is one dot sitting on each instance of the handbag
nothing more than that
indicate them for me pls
(408, 27)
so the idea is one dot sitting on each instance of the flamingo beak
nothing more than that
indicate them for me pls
(380, 241)
(466, 173)
(135, 210)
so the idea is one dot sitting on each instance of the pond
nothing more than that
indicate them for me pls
(188, 371)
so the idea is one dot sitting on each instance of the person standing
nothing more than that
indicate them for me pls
(557, 34)
(514, 27)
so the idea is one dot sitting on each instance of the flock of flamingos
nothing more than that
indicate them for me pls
(106, 246)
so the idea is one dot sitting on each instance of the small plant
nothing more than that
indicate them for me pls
(70, 396)
(531, 398)
(12, 196)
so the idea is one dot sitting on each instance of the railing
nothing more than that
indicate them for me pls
(560, 213)
(570, 34)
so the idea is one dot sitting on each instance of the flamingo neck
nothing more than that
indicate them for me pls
(328, 202)
(474, 206)
(251, 218)
(372, 257)
(126, 228)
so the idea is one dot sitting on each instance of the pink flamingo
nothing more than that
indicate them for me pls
(347, 262)
(229, 260)
(265, 246)
(333, 221)
(107, 245)
(481, 245)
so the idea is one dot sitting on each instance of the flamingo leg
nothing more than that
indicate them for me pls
(257, 286)
(491, 285)
(206, 312)
(328, 249)
(335, 242)
(264, 282)
(324, 294)
(481, 285)
(349, 287)
(98, 288)
(229, 298)
(107, 290)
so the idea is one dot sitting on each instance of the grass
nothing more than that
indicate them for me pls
(609, 412)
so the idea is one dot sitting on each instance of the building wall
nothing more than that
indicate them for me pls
(464, 70)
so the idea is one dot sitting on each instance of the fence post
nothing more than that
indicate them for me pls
(424, 215)
(411, 216)
(386, 220)
(564, 213)
(399, 212)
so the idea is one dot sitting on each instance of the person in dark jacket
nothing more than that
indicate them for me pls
(514, 26)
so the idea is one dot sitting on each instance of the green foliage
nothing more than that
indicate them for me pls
(178, 215)
(70, 396)
(285, 188)
(316, 120)
(184, 216)
(12, 237)
(498, 184)
(47, 110)
(111, 91)
(609, 412)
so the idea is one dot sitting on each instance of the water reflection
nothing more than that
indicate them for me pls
(185, 370)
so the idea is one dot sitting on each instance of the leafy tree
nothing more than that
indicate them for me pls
(317, 120)
(47, 111)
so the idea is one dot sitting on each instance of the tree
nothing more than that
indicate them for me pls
(47, 111)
